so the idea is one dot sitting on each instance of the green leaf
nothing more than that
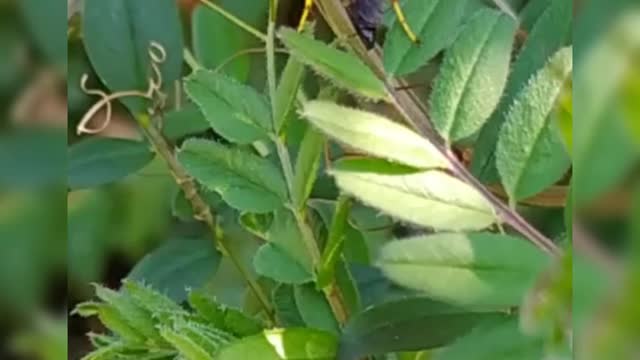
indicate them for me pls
(374, 134)
(204, 336)
(137, 317)
(181, 206)
(527, 156)
(355, 248)
(239, 324)
(332, 252)
(47, 23)
(162, 307)
(186, 121)
(342, 68)
(436, 24)
(409, 324)
(98, 161)
(473, 75)
(244, 180)
(207, 308)
(234, 110)
(275, 264)
(113, 320)
(221, 317)
(428, 198)
(186, 346)
(495, 340)
(286, 235)
(314, 308)
(470, 269)
(287, 91)
(285, 306)
(117, 35)
(213, 50)
(346, 282)
(546, 36)
(307, 166)
(257, 224)
(176, 266)
(283, 344)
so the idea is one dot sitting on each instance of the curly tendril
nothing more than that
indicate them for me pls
(157, 55)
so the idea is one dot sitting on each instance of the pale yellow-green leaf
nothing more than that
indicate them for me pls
(374, 134)
(481, 269)
(428, 198)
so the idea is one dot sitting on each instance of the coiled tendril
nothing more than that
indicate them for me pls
(157, 55)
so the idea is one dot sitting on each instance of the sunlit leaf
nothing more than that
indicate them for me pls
(470, 269)
(428, 198)
(374, 134)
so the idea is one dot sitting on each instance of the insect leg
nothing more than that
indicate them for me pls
(308, 5)
(403, 21)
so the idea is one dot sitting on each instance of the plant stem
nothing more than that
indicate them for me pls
(415, 115)
(285, 163)
(201, 209)
(271, 61)
(190, 60)
(234, 19)
(332, 292)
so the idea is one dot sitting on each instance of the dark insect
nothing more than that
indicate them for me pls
(367, 16)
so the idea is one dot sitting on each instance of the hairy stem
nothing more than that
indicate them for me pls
(414, 114)
(332, 292)
(201, 209)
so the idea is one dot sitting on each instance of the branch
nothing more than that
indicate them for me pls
(415, 115)
(201, 209)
